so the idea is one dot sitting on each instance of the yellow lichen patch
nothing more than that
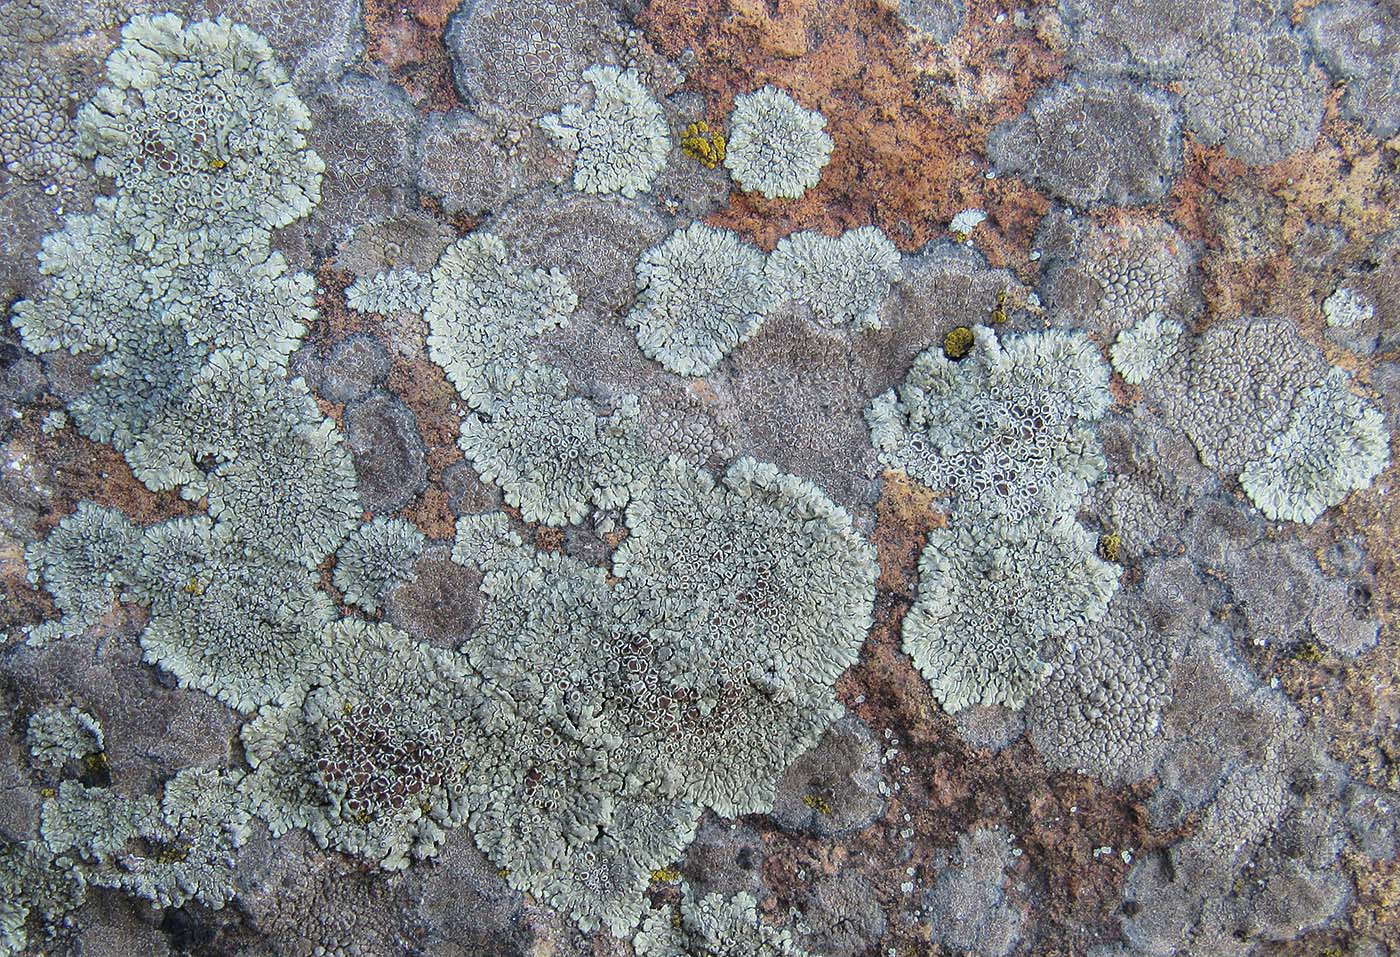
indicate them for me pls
(702, 144)
(999, 313)
(666, 875)
(817, 803)
(958, 342)
(1109, 546)
(96, 763)
(171, 853)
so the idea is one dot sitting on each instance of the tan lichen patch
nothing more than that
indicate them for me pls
(423, 387)
(908, 153)
(904, 515)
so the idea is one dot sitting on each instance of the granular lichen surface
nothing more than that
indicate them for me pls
(825, 478)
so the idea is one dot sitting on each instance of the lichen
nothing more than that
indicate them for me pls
(376, 557)
(776, 147)
(700, 293)
(620, 142)
(1143, 351)
(842, 279)
(1334, 444)
(1254, 94)
(58, 735)
(711, 926)
(170, 851)
(704, 145)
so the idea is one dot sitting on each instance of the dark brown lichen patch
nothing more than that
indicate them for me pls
(908, 147)
(406, 37)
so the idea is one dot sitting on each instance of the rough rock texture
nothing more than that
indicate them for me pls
(311, 322)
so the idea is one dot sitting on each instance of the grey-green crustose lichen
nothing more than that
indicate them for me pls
(1007, 430)
(579, 765)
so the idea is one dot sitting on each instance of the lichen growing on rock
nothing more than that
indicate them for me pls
(1005, 431)
(1141, 352)
(700, 292)
(620, 142)
(376, 557)
(596, 650)
(776, 147)
(1254, 94)
(1092, 141)
(841, 279)
(1263, 406)
(989, 598)
(1334, 444)
(713, 924)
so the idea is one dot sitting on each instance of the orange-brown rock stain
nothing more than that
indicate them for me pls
(909, 148)
(406, 37)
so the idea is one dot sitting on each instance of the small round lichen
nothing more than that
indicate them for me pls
(704, 145)
(700, 292)
(958, 342)
(775, 146)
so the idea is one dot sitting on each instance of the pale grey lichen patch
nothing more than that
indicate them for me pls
(842, 279)
(230, 167)
(376, 557)
(1334, 444)
(714, 925)
(1143, 351)
(58, 735)
(776, 147)
(39, 897)
(780, 587)
(293, 495)
(1262, 405)
(554, 457)
(240, 626)
(1256, 94)
(84, 563)
(987, 601)
(484, 312)
(1091, 141)
(393, 290)
(1346, 307)
(170, 851)
(360, 758)
(620, 142)
(1004, 429)
(700, 293)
